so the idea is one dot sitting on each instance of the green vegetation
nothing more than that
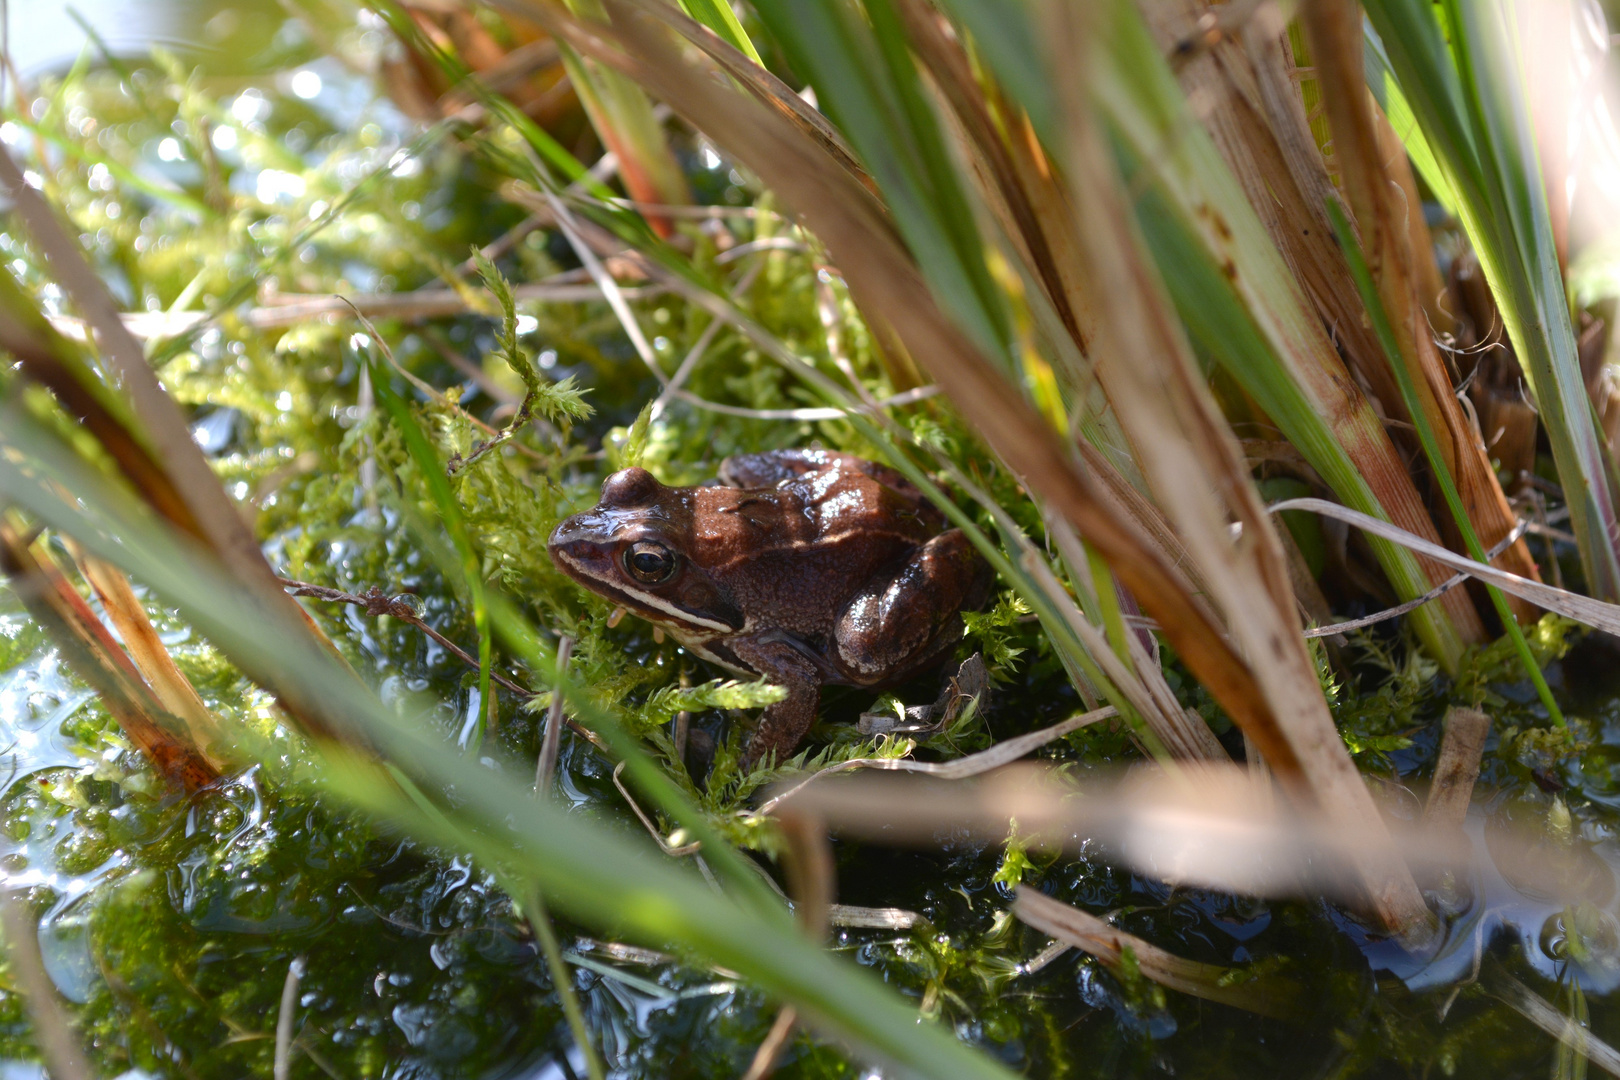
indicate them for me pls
(412, 316)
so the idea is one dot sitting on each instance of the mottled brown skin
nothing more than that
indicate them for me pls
(804, 567)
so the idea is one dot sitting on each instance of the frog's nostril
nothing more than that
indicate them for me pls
(569, 532)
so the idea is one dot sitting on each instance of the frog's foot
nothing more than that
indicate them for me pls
(784, 724)
(961, 691)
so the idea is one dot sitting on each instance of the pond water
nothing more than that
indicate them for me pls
(170, 925)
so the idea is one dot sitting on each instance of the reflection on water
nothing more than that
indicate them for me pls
(1504, 897)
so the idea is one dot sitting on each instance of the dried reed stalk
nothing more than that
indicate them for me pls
(1461, 749)
(1381, 212)
(1234, 113)
(1197, 471)
(96, 658)
(172, 688)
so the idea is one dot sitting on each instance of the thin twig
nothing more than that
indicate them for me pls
(905, 397)
(506, 241)
(768, 243)
(378, 603)
(1002, 753)
(701, 346)
(677, 852)
(478, 375)
(1416, 602)
(284, 1019)
(609, 288)
(1583, 609)
(1044, 957)
(764, 1062)
(554, 715)
(290, 309)
(667, 210)
(872, 918)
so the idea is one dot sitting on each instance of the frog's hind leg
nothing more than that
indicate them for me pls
(908, 622)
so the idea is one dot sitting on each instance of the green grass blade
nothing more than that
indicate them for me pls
(438, 487)
(1386, 89)
(718, 16)
(867, 83)
(1469, 102)
(1431, 446)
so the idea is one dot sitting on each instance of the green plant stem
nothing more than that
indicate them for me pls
(455, 523)
(563, 980)
(1431, 446)
(1102, 580)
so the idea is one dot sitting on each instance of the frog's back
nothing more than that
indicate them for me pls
(842, 500)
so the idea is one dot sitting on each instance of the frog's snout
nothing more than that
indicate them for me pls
(574, 534)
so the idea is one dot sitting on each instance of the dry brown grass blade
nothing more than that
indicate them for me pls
(887, 283)
(165, 426)
(1201, 826)
(97, 659)
(172, 688)
(1196, 469)
(1290, 205)
(1267, 995)
(1184, 733)
(1001, 754)
(53, 1033)
(1381, 213)
(1022, 195)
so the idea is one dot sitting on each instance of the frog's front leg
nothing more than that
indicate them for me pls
(783, 725)
(905, 622)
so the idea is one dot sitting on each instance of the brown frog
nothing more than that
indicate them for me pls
(805, 567)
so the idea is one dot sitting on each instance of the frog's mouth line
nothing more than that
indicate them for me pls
(641, 601)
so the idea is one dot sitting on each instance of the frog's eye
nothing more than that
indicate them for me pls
(649, 561)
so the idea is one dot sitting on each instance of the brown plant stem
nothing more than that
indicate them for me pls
(93, 654)
(1380, 213)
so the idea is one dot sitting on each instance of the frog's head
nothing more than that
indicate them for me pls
(635, 547)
